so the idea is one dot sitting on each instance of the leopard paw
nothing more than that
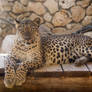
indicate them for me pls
(20, 79)
(9, 82)
(19, 82)
(80, 61)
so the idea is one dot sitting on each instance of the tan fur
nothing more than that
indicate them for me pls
(33, 51)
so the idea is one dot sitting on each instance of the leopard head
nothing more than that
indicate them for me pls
(28, 29)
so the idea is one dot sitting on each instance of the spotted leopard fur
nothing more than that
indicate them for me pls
(32, 51)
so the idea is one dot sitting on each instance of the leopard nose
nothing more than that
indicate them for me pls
(27, 34)
(27, 38)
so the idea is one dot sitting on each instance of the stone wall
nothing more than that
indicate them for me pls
(62, 16)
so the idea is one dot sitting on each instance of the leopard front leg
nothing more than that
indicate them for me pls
(23, 68)
(9, 79)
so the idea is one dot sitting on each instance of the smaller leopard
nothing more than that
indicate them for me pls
(32, 51)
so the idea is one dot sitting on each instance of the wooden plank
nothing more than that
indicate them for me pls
(70, 70)
(70, 84)
(48, 71)
(89, 65)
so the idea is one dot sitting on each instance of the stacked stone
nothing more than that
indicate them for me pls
(63, 16)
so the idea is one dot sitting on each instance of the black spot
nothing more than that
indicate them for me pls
(62, 50)
(50, 49)
(54, 49)
(72, 44)
(91, 48)
(57, 49)
(77, 49)
(66, 49)
(52, 46)
(63, 2)
(87, 49)
(51, 58)
(28, 43)
(68, 44)
(57, 46)
(71, 60)
(60, 44)
(54, 60)
(74, 57)
(64, 42)
(62, 58)
(65, 54)
(58, 55)
(58, 62)
(64, 61)
(82, 50)
(70, 48)
(89, 55)
(82, 47)
(53, 55)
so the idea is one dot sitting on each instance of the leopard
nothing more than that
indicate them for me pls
(31, 51)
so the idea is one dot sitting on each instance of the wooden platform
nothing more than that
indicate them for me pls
(66, 78)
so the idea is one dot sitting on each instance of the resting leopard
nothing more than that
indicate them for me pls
(32, 51)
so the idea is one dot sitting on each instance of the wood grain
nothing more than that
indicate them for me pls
(70, 84)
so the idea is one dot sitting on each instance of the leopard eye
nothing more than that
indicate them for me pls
(33, 28)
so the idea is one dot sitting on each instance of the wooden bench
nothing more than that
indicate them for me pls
(67, 78)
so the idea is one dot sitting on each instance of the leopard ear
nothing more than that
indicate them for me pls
(37, 21)
(16, 22)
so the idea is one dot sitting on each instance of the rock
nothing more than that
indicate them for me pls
(44, 30)
(65, 4)
(73, 27)
(1, 39)
(5, 16)
(23, 16)
(78, 13)
(8, 43)
(87, 20)
(69, 26)
(36, 7)
(49, 25)
(40, 0)
(3, 58)
(83, 3)
(89, 10)
(18, 8)
(11, 0)
(59, 31)
(12, 15)
(5, 6)
(34, 16)
(24, 2)
(51, 5)
(47, 17)
(1, 31)
(6, 28)
(88, 34)
(61, 18)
